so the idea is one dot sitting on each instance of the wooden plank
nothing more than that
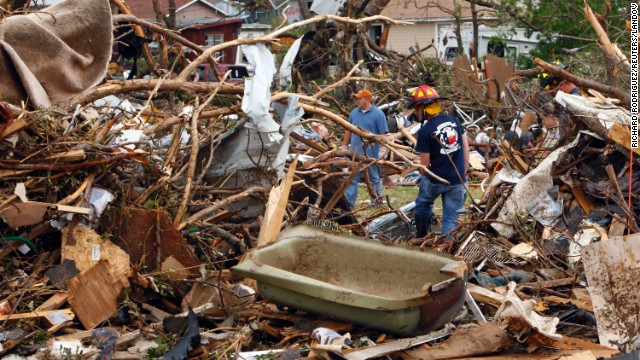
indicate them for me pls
(514, 159)
(582, 199)
(54, 317)
(68, 156)
(71, 209)
(274, 212)
(548, 283)
(54, 302)
(617, 228)
(466, 341)
(95, 294)
(13, 128)
(484, 295)
(621, 135)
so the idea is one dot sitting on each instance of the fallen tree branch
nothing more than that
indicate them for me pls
(122, 87)
(222, 203)
(122, 6)
(65, 167)
(614, 58)
(342, 81)
(382, 140)
(274, 35)
(238, 245)
(193, 156)
(165, 32)
(624, 97)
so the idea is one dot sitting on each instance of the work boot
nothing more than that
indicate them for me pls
(423, 225)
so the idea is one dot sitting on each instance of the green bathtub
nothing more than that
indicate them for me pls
(390, 288)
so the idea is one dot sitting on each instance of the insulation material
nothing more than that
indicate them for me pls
(528, 189)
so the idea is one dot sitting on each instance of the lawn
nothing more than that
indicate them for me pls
(401, 195)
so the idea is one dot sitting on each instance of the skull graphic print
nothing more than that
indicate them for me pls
(447, 136)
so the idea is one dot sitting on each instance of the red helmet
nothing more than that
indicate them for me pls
(423, 95)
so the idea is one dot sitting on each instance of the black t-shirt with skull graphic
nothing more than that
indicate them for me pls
(441, 137)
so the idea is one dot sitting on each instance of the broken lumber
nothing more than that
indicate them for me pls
(95, 294)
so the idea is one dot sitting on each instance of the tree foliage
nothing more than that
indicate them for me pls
(565, 31)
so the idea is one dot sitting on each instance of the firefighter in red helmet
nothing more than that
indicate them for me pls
(444, 150)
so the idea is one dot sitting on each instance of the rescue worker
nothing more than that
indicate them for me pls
(444, 149)
(554, 83)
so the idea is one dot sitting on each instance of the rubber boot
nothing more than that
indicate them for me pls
(423, 225)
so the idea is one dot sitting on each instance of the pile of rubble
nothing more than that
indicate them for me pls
(180, 219)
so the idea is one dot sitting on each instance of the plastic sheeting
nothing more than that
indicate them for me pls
(286, 77)
(528, 189)
(518, 317)
(257, 90)
(326, 6)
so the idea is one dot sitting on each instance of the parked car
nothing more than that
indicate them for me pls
(238, 72)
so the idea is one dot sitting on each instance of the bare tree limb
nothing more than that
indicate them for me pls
(511, 10)
(222, 203)
(624, 97)
(274, 35)
(614, 58)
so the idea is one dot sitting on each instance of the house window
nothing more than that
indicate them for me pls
(260, 14)
(212, 40)
(375, 33)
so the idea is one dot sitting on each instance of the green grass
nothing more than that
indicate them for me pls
(401, 195)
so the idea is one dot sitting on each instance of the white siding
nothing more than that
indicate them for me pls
(402, 37)
(197, 11)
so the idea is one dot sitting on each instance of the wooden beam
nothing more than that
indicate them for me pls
(13, 128)
(514, 159)
(54, 302)
(621, 135)
(484, 295)
(274, 212)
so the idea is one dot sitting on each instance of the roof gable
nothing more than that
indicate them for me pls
(223, 7)
(428, 9)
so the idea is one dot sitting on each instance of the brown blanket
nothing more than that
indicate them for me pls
(49, 56)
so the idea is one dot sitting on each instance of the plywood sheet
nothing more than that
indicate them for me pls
(95, 294)
(149, 237)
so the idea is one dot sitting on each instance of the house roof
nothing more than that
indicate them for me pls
(209, 23)
(228, 10)
(144, 8)
(425, 10)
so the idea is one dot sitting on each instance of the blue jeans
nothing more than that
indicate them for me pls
(452, 202)
(376, 183)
